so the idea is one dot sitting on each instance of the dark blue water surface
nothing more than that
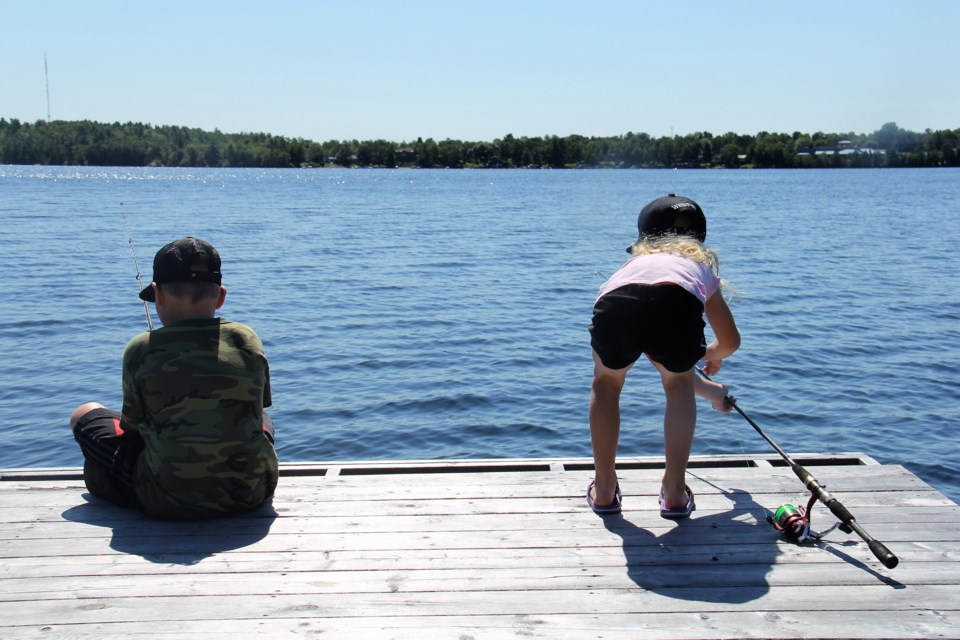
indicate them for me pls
(420, 314)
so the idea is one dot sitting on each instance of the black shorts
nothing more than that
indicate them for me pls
(110, 456)
(665, 321)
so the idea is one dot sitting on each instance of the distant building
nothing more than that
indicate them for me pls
(406, 155)
(843, 148)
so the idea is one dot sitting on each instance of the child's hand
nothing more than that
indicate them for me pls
(713, 363)
(712, 367)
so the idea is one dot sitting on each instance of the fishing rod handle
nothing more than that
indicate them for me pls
(836, 508)
(880, 551)
(884, 555)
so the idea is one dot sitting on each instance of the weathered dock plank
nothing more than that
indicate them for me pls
(666, 626)
(485, 549)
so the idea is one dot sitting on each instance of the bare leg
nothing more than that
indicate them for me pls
(679, 424)
(605, 428)
(82, 410)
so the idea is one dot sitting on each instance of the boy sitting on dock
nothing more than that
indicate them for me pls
(193, 439)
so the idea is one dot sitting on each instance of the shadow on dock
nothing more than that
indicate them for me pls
(174, 542)
(652, 565)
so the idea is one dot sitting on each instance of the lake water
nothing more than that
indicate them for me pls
(421, 314)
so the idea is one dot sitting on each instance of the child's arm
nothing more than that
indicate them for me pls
(132, 410)
(726, 332)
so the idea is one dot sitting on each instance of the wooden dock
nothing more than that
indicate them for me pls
(485, 549)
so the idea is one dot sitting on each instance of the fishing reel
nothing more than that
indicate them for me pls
(794, 522)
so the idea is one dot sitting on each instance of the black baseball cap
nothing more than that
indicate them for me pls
(672, 214)
(185, 260)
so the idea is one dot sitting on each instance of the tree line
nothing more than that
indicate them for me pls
(88, 143)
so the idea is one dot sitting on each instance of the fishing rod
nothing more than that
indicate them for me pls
(793, 521)
(136, 263)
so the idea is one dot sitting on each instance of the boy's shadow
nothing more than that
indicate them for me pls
(723, 557)
(173, 542)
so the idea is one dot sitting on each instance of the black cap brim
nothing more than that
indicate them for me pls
(147, 295)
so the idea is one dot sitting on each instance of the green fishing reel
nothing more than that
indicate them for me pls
(794, 522)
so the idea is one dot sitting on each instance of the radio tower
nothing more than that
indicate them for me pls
(46, 76)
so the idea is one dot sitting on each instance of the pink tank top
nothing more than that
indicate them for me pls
(665, 268)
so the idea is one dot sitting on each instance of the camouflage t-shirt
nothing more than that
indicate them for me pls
(195, 390)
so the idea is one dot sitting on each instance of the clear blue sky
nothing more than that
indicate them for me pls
(480, 70)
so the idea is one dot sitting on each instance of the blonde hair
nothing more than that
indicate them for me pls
(683, 246)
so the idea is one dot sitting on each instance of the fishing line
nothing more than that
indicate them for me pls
(136, 263)
(794, 522)
(743, 450)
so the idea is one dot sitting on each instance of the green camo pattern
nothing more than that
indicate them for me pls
(195, 390)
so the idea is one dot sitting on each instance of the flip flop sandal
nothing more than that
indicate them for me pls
(605, 509)
(680, 513)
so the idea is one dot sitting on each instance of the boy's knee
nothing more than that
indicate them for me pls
(83, 410)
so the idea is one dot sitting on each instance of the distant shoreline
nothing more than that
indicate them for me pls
(88, 143)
